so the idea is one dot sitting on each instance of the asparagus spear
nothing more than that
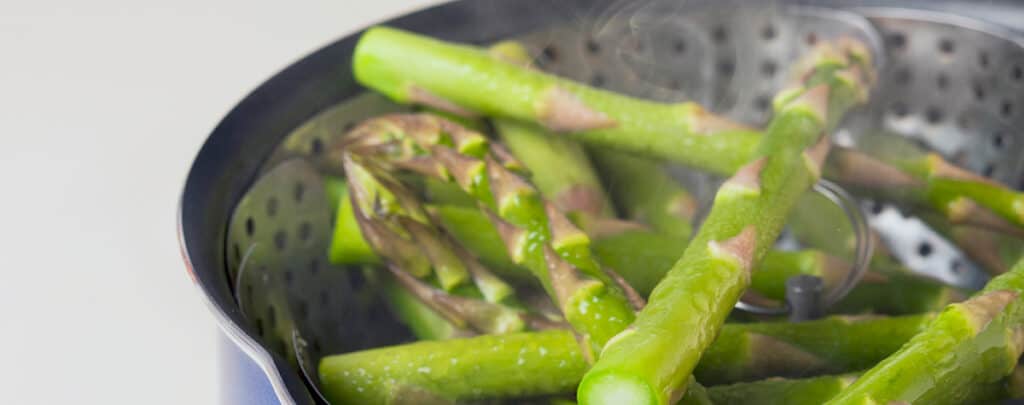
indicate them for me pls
(465, 79)
(643, 257)
(774, 391)
(424, 322)
(519, 364)
(643, 190)
(817, 390)
(747, 352)
(993, 251)
(649, 362)
(960, 196)
(646, 193)
(560, 169)
(552, 363)
(780, 391)
(347, 243)
(397, 227)
(430, 314)
(529, 95)
(966, 350)
(536, 234)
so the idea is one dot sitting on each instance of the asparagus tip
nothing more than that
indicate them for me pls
(463, 168)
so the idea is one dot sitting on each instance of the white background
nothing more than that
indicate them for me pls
(103, 105)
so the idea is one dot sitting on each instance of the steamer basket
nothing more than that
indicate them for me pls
(255, 222)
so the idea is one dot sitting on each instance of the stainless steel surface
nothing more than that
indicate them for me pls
(952, 85)
(277, 242)
(730, 59)
(947, 84)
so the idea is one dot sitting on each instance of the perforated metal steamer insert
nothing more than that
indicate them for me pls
(950, 85)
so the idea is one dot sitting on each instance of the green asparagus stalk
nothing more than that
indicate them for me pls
(888, 287)
(780, 391)
(748, 352)
(897, 291)
(642, 188)
(431, 316)
(424, 322)
(966, 350)
(347, 243)
(536, 234)
(772, 391)
(349, 247)
(649, 362)
(519, 364)
(646, 193)
(560, 169)
(398, 228)
(550, 362)
(993, 251)
(818, 390)
(643, 257)
(464, 80)
(960, 196)
(563, 175)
